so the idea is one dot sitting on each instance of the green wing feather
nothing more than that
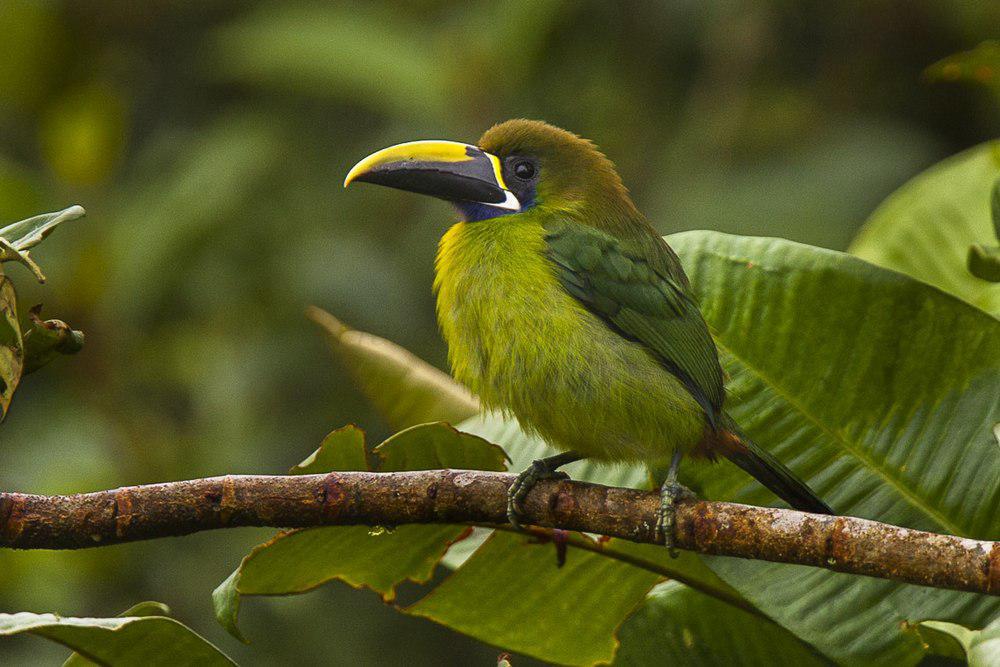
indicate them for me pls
(638, 287)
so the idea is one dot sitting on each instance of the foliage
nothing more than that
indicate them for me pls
(380, 559)
(18, 238)
(11, 345)
(981, 648)
(927, 227)
(877, 437)
(141, 635)
(511, 593)
(402, 388)
(20, 352)
(523, 602)
(208, 141)
(679, 626)
(984, 260)
(47, 339)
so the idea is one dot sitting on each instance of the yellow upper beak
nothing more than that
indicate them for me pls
(446, 169)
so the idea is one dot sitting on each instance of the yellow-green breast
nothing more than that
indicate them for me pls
(527, 347)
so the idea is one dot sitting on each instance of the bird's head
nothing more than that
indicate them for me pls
(515, 167)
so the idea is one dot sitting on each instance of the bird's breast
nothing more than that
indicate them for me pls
(500, 306)
(526, 346)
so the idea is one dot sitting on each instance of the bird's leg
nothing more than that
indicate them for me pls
(538, 470)
(670, 493)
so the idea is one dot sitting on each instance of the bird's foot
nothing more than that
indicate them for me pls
(670, 493)
(519, 490)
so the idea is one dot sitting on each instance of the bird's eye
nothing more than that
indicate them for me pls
(524, 170)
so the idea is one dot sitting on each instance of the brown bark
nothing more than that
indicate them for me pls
(843, 544)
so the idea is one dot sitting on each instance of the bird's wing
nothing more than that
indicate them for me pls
(633, 289)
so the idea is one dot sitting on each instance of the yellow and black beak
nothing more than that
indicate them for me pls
(445, 169)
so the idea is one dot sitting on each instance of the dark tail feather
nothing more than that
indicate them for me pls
(773, 474)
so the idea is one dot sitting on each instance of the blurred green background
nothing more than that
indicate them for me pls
(208, 141)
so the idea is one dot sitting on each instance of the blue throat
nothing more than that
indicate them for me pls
(475, 212)
(472, 211)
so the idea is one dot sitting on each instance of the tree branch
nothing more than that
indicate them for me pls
(843, 544)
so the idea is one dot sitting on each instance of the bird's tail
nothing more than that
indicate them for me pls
(770, 472)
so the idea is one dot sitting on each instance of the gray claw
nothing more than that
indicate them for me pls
(670, 493)
(519, 490)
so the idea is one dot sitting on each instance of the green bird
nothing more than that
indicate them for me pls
(562, 306)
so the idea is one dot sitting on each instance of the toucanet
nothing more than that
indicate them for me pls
(561, 305)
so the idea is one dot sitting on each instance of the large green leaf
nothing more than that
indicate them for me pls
(512, 594)
(404, 388)
(377, 558)
(142, 609)
(147, 637)
(300, 561)
(925, 229)
(679, 626)
(981, 647)
(882, 393)
(883, 389)
(476, 603)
